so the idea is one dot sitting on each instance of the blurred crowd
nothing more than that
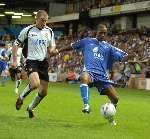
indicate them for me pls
(76, 6)
(106, 3)
(68, 64)
(135, 42)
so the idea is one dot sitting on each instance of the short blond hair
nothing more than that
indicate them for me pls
(40, 12)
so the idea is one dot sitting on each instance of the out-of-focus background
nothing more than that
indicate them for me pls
(128, 23)
(59, 116)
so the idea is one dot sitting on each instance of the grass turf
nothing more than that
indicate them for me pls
(59, 115)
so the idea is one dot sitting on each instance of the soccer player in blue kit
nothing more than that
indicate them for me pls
(98, 57)
(3, 64)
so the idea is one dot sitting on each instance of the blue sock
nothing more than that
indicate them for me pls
(84, 89)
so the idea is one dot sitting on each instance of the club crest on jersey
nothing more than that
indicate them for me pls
(95, 49)
(97, 54)
(46, 35)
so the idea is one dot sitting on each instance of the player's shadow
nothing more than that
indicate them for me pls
(71, 124)
(98, 125)
(21, 117)
(4, 118)
(15, 119)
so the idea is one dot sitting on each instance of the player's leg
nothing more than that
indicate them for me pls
(18, 80)
(34, 82)
(84, 89)
(12, 73)
(43, 87)
(37, 99)
(3, 78)
(4, 73)
(1, 70)
(112, 95)
(105, 88)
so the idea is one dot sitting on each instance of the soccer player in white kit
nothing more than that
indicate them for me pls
(41, 41)
(15, 73)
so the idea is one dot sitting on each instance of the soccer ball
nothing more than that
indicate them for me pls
(108, 110)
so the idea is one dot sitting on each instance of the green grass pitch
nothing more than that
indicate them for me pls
(59, 115)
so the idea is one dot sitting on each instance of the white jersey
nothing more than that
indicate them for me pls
(38, 41)
(19, 57)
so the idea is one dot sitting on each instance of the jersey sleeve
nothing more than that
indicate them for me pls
(78, 45)
(52, 39)
(21, 38)
(117, 54)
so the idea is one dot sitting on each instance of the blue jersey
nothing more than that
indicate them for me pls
(3, 63)
(3, 52)
(98, 56)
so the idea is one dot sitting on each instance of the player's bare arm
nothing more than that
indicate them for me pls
(14, 53)
(52, 51)
(66, 48)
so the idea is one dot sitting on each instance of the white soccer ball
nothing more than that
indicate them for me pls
(108, 110)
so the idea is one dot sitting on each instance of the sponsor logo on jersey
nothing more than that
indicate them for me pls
(46, 35)
(97, 54)
(39, 42)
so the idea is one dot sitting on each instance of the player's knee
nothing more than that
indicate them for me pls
(34, 81)
(85, 78)
(43, 93)
(35, 84)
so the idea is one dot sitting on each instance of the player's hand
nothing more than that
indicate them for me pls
(55, 51)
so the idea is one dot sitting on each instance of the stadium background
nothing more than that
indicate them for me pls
(128, 22)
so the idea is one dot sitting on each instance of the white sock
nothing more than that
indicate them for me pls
(25, 92)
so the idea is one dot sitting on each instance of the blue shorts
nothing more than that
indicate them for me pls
(100, 82)
(3, 65)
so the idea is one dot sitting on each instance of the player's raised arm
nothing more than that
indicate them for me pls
(74, 45)
(65, 48)
(14, 54)
(118, 54)
(52, 46)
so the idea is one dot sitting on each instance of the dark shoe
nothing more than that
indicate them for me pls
(19, 103)
(30, 112)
